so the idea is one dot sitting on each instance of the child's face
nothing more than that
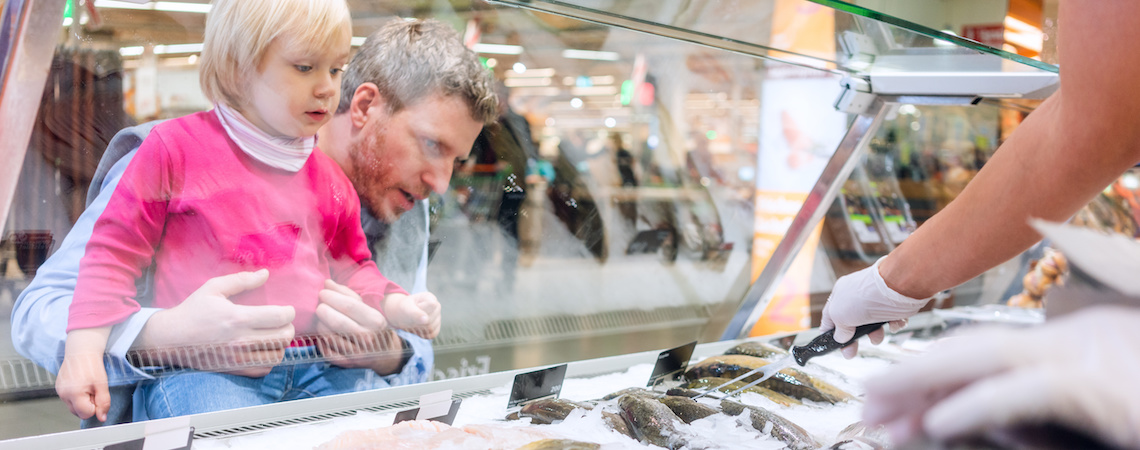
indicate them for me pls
(295, 91)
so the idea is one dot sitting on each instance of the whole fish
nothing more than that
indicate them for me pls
(653, 422)
(757, 349)
(682, 392)
(713, 382)
(686, 408)
(551, 410)
(635, 391)
(787, 432)
(788, 382)
(618, 424)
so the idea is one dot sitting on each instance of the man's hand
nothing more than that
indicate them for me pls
(861, 298)
(210, 332)
(1078, 371)
(355, 335)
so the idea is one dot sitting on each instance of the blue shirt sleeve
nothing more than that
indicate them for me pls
(39, 318)
(419, 365)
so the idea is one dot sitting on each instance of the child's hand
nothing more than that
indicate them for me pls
(418, 313)
(82, 385)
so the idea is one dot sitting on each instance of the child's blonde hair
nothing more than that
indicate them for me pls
(238, 33)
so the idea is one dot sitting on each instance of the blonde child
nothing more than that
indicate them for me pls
(238, 188)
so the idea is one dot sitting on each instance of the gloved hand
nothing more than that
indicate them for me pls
(1079, 371)
(861, 298)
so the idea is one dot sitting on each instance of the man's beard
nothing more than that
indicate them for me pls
(364, 182)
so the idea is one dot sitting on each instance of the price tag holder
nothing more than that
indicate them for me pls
(168, 434)
(671, 364)
(437, 406)
(537, 385)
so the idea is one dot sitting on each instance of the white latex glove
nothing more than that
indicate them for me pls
(861, 298)
(1079, 371)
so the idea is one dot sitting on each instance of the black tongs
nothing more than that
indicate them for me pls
(823, 344)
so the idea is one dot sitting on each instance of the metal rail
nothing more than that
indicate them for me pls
(675, 33)
(838, 168)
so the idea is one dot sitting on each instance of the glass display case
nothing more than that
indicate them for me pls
(675, 171)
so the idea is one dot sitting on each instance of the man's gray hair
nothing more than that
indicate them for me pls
(411, 59)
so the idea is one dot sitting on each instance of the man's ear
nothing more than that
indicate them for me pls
(366, 101)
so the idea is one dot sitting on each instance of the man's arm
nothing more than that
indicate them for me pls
(1075, 144)
(418, 368)
(39, 319)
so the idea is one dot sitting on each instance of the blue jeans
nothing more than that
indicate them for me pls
(193, 392)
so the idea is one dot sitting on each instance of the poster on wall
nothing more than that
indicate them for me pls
(799, 131)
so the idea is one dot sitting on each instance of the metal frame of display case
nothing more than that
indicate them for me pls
(871, 96)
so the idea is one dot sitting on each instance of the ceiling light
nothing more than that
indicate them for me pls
(590, 54)
(532, 73)
(357, 41)
(155, 6)
(498, 49)
(1019, 26)
(182, 7)
(162, 49)
(178, 48)
(602, 80)
(519, 67)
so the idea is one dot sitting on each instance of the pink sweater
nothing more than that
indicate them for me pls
(201, 208)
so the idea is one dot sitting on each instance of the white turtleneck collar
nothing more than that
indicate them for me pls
(284, 153)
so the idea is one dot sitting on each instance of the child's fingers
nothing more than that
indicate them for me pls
(102, 401)
(81, 406)
(427, 302)
(76, 398)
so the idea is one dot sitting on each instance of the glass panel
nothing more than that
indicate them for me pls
(852, 40)
(630, 190)
(917, 164)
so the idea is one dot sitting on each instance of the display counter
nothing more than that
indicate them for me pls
(313, 422)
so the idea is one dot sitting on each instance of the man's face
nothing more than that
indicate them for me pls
(398, 159)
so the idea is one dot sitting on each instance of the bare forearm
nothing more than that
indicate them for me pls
(391, 358)
(1068, 150)
(156, 343)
